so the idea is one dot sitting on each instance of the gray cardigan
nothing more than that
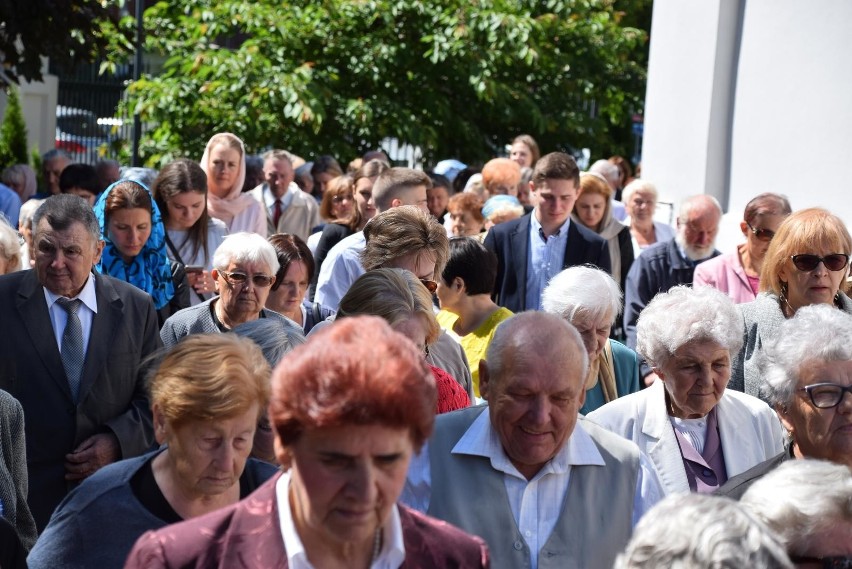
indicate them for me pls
(13, 470)
(199, 320)
(97, 524)
(762, 318)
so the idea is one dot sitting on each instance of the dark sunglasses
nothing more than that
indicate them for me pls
(764, 235)
(833, 262)
(241, 278)
(431, 285)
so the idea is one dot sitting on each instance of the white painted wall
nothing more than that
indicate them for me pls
(736, 111)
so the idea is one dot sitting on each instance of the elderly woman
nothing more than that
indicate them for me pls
(640, 201)
(287, 296)
(737, 274)
(500, 176)
(206, 398)
(464, 291)
(244, 270)
(10, 249)
(694, 531)
(400, 298)
(500, 209)
(588, 298)
(695, 431)
(807, 263)
(808, 503)
(807, 374)
(13, 471)
(466, 218)
(224, 162)
(135, 247)
(593, 210)
(347, 427)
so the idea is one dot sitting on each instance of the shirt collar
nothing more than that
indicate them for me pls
(87, 295)
(482, 440)
(393, 548)
(269, 199)
(536, 228)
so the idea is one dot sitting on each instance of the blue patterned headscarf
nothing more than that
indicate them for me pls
(150, 270)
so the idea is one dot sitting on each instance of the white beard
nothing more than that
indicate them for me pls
(694, 253)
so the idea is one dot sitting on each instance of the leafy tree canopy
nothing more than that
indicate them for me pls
(66, 31)
(459, 78)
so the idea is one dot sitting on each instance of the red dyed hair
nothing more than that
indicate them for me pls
(357, 371)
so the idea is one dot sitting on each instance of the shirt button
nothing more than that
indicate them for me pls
(707, 472)
(518, 545)
(528, 533)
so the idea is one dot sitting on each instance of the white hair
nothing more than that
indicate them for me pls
(275, 337)
(10, 246)
(245, 247)
(610, 172)
(696, 531)
(802, 499)
(682, 315)
(639, 185)
(818, 332)
(582, 293)
(695, 202)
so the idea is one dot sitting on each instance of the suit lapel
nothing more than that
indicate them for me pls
(573, 249)
(104, 328)
(32, 309)
(519, 241)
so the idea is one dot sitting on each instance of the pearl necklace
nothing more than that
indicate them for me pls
(377, 546)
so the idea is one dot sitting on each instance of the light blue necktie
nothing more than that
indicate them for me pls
(72, 345)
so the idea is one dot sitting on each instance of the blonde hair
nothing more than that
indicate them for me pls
(395, 295)
(209, 377)
(402, 231)
(803, 232)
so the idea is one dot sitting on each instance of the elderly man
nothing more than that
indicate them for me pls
(527, 473)
(532, 249)
(670, 263)
(393, 188)
(288, 209)
(52, 164)
(71, 355)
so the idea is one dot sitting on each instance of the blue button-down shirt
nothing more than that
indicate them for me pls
(544, 260)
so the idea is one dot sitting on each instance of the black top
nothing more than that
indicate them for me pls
(146, 490)
(736, 486)
(332, 234)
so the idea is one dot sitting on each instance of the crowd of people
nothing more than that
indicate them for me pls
(263, 361)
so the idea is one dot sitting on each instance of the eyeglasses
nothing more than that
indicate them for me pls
(826, 395)
(241, 278)
(340, 198)
(764, 235)
(837, 562)
(431, 285)
(833, 262)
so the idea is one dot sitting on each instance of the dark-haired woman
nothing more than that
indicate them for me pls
(135, 246)
(287, 296)
(191, 234)
(467, 311)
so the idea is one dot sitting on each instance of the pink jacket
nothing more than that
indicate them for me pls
(725, 273)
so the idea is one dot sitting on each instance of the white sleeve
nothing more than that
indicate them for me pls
(649, 490)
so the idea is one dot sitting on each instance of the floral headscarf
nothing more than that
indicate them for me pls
(150, 270)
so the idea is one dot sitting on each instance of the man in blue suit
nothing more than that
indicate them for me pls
(534, 248)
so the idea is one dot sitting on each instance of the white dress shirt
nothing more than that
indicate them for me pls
(341, 268)
(87, 311)
(535, 503)
(391, 555)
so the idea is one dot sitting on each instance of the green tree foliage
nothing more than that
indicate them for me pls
(455, 77)
(13, 132)
(66, 31)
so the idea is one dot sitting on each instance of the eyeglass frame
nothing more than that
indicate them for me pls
(229, 277)
(820, 260)
(759, 233)
(809, 390)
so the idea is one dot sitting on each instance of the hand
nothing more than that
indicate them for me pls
(650, 379)
(202, 282)
(94, 453)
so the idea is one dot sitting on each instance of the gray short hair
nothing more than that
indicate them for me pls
(695, 531)
(582, 293)
(683, 315)
(245, 247)
(62, 210)
(609, 171)
(696, 202)
(818, 332)
(10, 246)
(273, 336)
(524, 332)
(801, 499)
(639, 185)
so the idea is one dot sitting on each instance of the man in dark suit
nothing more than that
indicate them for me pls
(534, 248)
(72, 354)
